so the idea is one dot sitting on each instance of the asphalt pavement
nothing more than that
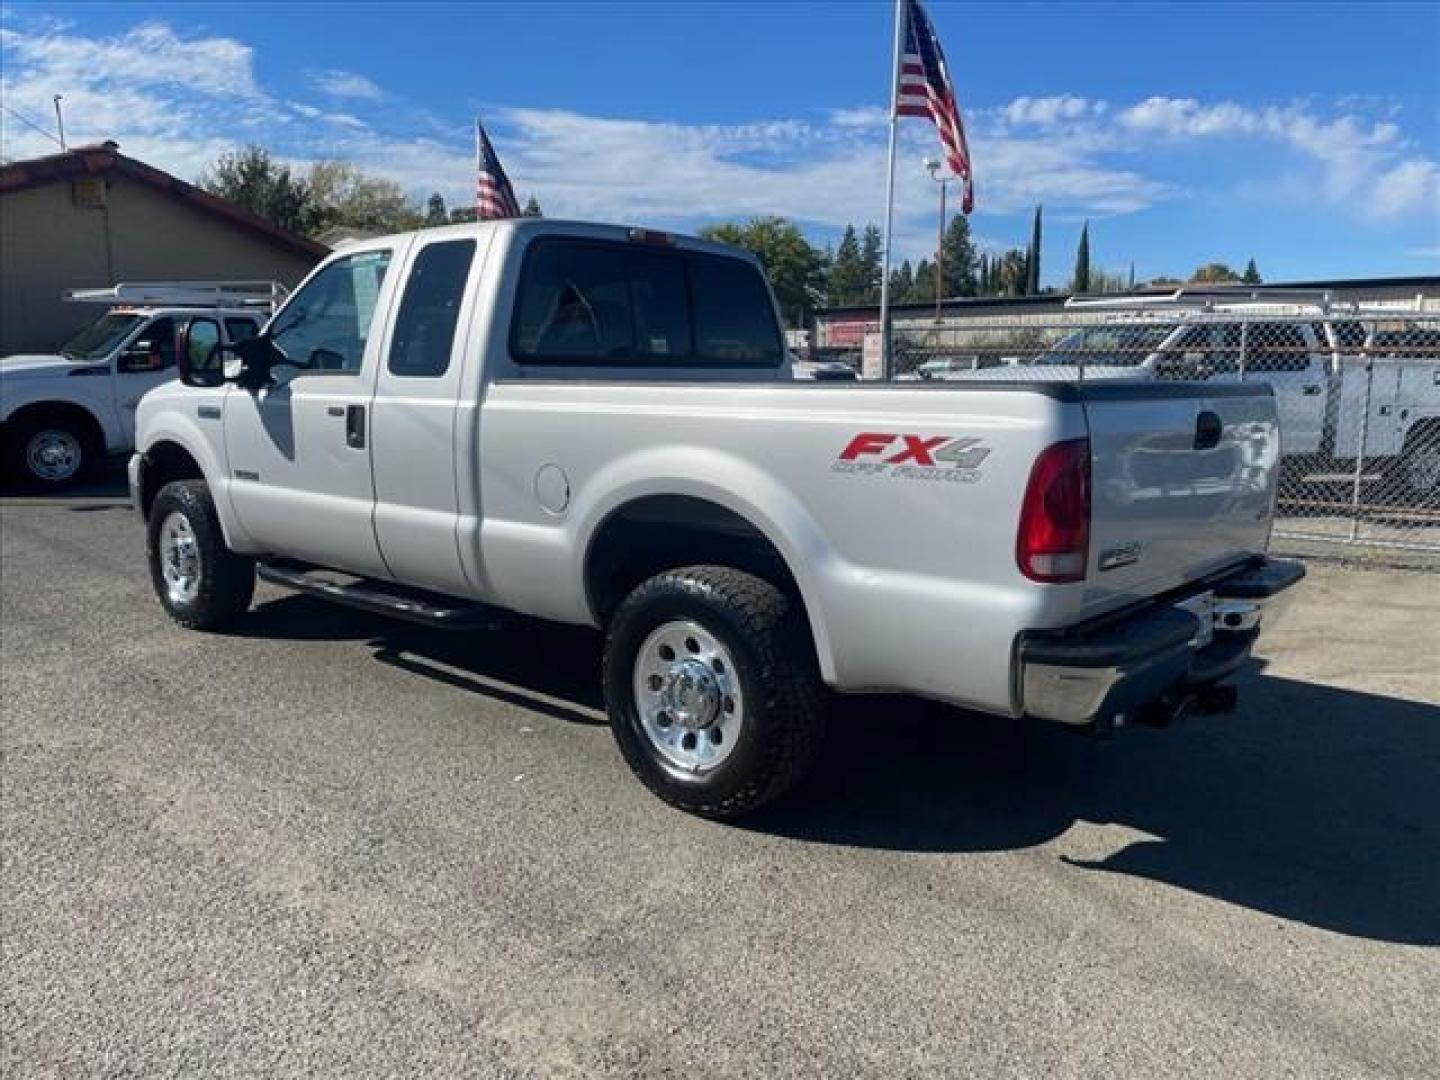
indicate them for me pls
(325, 844)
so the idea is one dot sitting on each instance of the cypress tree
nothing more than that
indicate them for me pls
(1252, 275)
(1081, 281)
(1032, 257)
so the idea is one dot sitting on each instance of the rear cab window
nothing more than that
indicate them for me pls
(596, 302)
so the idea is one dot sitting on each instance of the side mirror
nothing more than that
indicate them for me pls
(139, 356)
(198, 353)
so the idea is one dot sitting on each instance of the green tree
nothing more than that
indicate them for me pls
(847, 279)
(924, 290)
(251, 178)
(532, 208)
(902, 283)
(1012, 273)
(959, 251)
(1252, 275)
(1214, 273)
(435, 211)
(796, 269)
(462, 214)
(1032, 257)
(870, 257)
(342, 194)
(1080, 283)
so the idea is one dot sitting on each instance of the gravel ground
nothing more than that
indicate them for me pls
(331, 845)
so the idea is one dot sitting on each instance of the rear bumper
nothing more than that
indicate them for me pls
(1110, 671)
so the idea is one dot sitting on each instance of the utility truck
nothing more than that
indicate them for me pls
(1350, 383)
(60, 413)
(597, 425)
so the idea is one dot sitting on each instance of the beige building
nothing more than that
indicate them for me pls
(94, 217)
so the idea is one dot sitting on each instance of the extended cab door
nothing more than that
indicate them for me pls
(299, 450)
(419, 425)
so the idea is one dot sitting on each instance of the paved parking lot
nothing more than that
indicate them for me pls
(331, 845)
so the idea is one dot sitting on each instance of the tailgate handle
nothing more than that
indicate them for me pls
(1208, 430)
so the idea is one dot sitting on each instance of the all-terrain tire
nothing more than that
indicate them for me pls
(767, 635)
(224, 582)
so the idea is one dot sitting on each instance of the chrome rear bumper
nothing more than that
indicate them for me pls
(1111, 670)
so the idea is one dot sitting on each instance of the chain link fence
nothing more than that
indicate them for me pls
(1358, 395)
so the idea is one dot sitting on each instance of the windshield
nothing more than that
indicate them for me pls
(99, 339)
(1112, 346)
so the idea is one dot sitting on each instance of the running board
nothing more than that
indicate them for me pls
(382, 598)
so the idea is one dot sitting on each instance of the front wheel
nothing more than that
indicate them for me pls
(712, 689)
(1419, 466)
(201, 583)
(49, 454)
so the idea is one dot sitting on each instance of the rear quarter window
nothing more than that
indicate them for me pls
(604, 303)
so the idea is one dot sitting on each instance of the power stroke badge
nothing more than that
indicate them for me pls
(952, 458)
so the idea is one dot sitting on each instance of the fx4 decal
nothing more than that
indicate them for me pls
(915, 457)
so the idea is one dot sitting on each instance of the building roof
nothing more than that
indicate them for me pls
(1428, 284)
(106, 158)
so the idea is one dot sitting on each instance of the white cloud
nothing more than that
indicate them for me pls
(862, 116)
(1043, 111)
(1359, 163)
(346, 84)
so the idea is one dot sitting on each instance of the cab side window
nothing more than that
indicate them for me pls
(1275, 347)
(425, 327)
(324, 327)
(153, 349)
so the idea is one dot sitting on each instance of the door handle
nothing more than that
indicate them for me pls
(1208, 430)
(1312, 391)
(355, 426)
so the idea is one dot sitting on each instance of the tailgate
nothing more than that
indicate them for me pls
(1183, 484)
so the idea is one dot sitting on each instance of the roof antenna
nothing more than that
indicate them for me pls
(60, 123)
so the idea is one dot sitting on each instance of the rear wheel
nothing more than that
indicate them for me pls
(201, 583)
(712, 689)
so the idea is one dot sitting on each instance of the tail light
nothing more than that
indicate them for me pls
(1054, 539)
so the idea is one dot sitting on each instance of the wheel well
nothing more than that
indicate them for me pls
(165, 462)
(1423, 432)
(660, 532)
(53, 412)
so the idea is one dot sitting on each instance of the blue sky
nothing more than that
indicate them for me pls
(1305, 135)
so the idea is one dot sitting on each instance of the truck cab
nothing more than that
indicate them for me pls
(62, 412)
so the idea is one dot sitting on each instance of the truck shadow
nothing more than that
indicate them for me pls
(1315, 804)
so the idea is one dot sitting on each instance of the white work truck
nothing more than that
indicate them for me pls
(60, 413)
(1347, 383)
(597, 425)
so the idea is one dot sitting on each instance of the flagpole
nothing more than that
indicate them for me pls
(885, 352)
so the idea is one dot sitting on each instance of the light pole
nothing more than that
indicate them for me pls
(933, 167)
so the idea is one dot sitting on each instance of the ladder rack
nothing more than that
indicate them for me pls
(196, 294)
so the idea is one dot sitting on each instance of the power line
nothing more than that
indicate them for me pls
(31, 123)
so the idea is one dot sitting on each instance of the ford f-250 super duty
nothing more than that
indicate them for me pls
(595, 425)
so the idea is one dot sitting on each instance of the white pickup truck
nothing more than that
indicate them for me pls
(1345, 385)
(60, 413)
(596, 425)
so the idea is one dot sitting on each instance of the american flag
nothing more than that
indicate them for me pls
(494, 198)
(926, 90)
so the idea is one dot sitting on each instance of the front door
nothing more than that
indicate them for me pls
(143, 364)
(299, 450)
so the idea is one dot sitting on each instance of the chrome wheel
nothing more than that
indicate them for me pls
(687, 693)
(54, 454)
(179, 559)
